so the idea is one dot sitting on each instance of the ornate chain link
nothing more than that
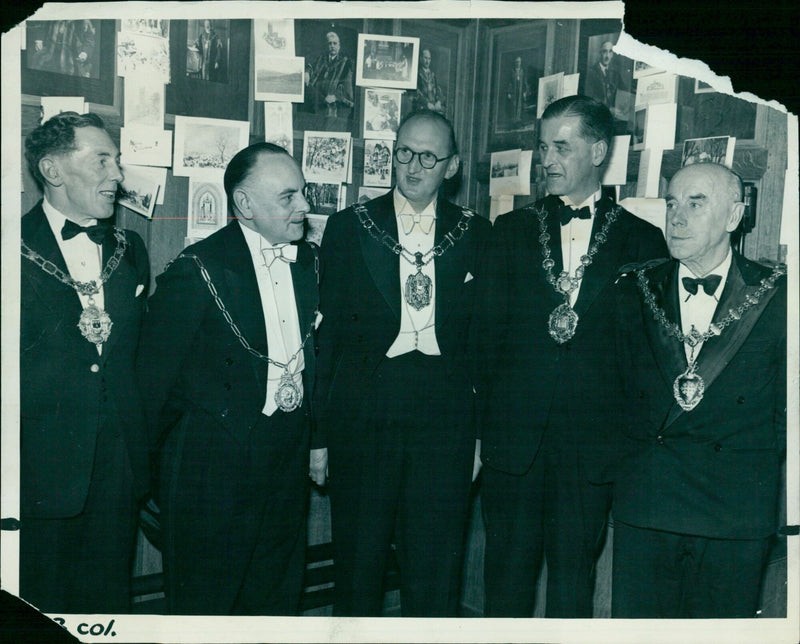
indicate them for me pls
(565, 283)
(84, 288)
(715, 328)
(448, 241)
(242, 340)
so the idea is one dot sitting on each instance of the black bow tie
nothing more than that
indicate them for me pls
(567, 213)
(96, 233)
(709, 283)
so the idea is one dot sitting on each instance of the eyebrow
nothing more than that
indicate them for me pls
(698, 197)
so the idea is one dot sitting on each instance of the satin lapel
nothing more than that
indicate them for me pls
(241, 296)
(304, 280)
(551, 205)
(119, 291)
(382, 263)
(449, 268)
(56, 296)
(668, 351)
(607, 260)
(717, 352)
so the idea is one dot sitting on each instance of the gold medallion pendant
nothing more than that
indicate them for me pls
(562, 323)
(288, 396)
(95, 324)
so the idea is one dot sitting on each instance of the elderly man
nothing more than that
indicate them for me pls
(329, 81)
(545, 331)
(84, 451)
(701, 343)
(395, 388)
(226, 362)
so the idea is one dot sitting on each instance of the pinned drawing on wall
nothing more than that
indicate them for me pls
(151, 174)
(711, 149)
(381, 113)
(207, 208)
(144, 101)
(656, 88)
(138, 192)
(378, 163)
(550, 89)
(138, 54)
(278, 125)
(279, 79)
(387, 61)
(616, 171)
(203, 147)
(143, 145)
(326, 156)
(274, 38)
(510, 173)
(323, 197)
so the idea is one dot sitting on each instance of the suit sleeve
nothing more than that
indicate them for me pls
(175, 313)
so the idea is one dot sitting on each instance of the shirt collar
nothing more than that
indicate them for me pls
(57, 219)
(589, 201)
(402, 207)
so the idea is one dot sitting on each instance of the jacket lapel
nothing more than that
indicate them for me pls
(449, 270)
(382, 263)
(118, 291)
(607, 259)
(551, 205)
(304, 280)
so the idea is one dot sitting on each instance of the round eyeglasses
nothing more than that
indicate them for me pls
(427, 160)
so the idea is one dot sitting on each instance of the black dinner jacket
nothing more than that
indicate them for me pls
(360, 301)
(531, 384)
(66, 389)
(712, 471)
(203, 396)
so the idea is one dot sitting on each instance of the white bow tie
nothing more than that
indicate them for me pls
(285, 252)
(425, 222)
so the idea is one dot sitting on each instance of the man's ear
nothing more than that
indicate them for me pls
(51, 171)
(599, 152)
(242, 203)
(735, 216)
(452, 166)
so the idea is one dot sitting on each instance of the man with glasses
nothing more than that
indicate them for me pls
(395, 387)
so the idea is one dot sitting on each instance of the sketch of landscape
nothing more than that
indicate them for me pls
(143, 55)
(144, 101)
(278, 125)
(203, 147)
(279, 79)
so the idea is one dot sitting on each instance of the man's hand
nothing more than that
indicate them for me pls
(318, 466)
(477, 464)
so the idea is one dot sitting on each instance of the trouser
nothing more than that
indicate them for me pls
(551, 509)
(82, 564)
(404, 471)
(663, 574)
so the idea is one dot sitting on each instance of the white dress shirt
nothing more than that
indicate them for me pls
(82, 256)
(575, 238)
(698, 310)
(284, 339)
(417, 328)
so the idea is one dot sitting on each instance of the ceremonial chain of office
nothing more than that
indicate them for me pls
(418, 287)
(288, 396)
(689, 386)
(94, 323)
(563, 321)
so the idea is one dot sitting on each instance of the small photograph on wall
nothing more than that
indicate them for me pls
(69, 47)
(609, 78)
(433, 80)
(279, 79)
(203, 147)
(207, 208)
(387, 61)
(278, 125)
(381, 113)
(712, 149)
(326, 156)
(323, 197)
(207, 49)
(146, 26)
(274, 38)
(378, 163)
(143, 55)
(138, 192)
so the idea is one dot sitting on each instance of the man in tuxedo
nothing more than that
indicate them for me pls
(701, 343)
(545, 334)
(226, 364)
(603, 79)
(395, 387)
(83, 450)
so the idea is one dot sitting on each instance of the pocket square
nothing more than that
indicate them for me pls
(139, 289)
(317, 320)
(468, 278)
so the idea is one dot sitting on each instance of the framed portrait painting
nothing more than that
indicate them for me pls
(209, 63)
(69, 58)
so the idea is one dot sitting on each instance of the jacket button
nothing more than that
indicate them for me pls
(94, 368)
(740, 400)
(660, 439)
(228, 361)
(717, 447)
(223, 413)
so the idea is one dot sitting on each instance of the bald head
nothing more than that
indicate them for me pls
(703, 208)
